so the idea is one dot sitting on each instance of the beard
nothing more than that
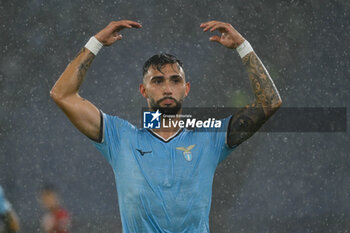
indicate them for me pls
(167, 110)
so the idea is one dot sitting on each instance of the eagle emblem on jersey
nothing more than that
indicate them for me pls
(187, 152)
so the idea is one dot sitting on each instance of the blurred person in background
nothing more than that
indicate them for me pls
(9, 219)
(56, 219)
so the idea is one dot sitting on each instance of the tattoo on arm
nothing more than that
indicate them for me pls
(250, 118)
(264, 89)
(80, 52)
(84, 66)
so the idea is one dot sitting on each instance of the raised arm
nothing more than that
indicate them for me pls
(267, 99)
(82, 113)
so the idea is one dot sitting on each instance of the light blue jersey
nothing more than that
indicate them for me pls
(4, 204)
(163, 186)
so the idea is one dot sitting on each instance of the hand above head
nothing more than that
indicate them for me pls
(229, 38)
(110, 34)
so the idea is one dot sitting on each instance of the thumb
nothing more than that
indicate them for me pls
(118, 37)
(215, 38)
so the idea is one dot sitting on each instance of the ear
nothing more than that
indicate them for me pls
(188, 88)
(143, 90)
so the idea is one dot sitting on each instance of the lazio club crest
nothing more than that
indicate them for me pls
(187, 152)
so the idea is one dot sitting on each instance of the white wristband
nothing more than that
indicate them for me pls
(244, 48)
(94, 45)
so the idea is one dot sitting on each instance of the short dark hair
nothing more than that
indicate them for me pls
(160, 60)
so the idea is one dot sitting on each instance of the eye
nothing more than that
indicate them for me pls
(157, 80)
(176, 79)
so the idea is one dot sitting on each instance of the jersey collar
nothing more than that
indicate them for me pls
(163, 139)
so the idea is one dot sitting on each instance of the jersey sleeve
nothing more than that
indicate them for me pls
(220, 138)
(113, 129)
(4, 204)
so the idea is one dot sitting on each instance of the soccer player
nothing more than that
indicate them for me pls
(56, 219)
(8, 215)
(164, 177)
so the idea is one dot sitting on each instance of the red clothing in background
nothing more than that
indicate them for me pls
(57, 221)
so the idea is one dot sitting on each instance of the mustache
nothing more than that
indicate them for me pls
(166, 110)
(165, 98)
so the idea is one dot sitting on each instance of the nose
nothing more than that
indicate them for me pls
(167, 88)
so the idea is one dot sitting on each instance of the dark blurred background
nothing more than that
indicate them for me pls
(274, 182)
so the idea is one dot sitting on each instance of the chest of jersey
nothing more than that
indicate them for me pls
(147, 164)
(162, 186)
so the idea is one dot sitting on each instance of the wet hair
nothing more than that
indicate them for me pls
(159, 60)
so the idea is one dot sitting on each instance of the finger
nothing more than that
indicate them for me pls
(126, 22)
(215, 38)
(133, 23)
(203, 25)
(208, 22)
(206, 26)
(121, 25)
(125, 25)
(116, 27)
(210, 25)
(218, 26)
(118, 37)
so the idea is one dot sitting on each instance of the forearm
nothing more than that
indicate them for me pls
(265, 91)
(250, 118)
(81, 112)
(73, 76)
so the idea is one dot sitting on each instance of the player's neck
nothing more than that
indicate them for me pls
(169, 129)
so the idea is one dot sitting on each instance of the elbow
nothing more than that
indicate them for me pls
(271, 109)
(55, 96)
(60, 98)
(275, 106)
(278, 104)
